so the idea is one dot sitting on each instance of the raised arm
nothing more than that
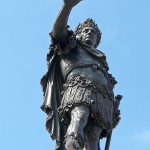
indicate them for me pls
(59, 30)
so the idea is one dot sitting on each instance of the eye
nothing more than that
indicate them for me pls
(85, 31)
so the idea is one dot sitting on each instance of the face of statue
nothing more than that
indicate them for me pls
(89, 36)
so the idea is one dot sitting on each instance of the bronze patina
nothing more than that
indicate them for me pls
(78, 89)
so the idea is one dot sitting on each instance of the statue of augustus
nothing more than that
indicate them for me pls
(78, 89)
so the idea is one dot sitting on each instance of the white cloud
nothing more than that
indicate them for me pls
(144, 136)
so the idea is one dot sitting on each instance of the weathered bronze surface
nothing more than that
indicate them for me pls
(78, 89)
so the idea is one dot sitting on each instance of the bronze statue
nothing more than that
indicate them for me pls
(78, 90)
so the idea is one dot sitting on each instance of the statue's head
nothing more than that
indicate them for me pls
(89, 33)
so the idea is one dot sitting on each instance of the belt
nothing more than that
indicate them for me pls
(84, 82)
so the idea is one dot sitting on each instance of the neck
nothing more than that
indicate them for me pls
(85, 44)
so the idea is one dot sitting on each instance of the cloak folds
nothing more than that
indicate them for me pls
(52, 85)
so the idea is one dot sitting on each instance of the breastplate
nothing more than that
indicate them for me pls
(78, 57)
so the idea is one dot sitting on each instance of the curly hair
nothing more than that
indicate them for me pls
(89, 23)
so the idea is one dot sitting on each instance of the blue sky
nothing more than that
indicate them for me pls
(24, 42)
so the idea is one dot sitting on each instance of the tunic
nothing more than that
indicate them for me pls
(86, 83)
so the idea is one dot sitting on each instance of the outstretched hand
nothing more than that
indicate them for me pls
(71, 3)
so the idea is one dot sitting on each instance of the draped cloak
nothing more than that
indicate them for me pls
(52, 83)
(52, 86)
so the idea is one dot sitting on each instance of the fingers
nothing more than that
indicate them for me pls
(72, 2)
